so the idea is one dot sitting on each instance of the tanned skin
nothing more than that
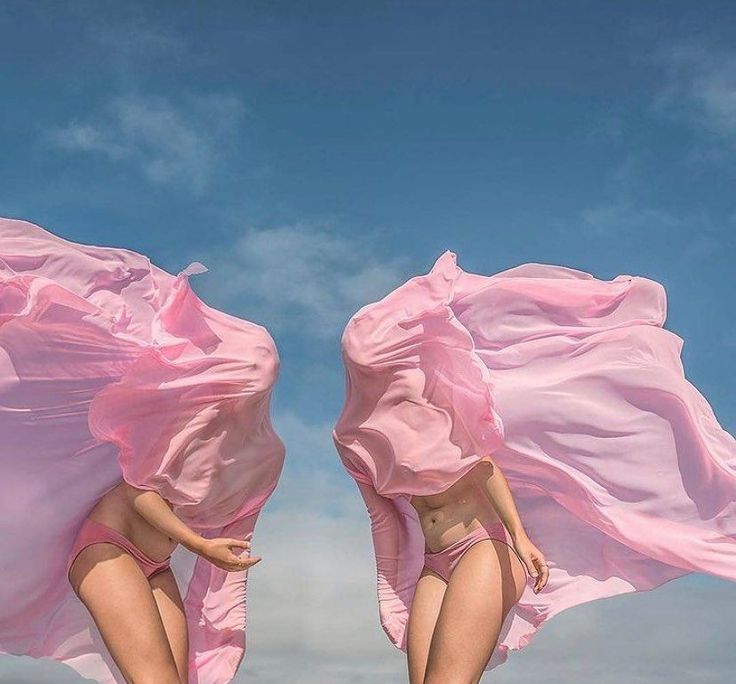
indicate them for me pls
(142, 621)
(454, 626)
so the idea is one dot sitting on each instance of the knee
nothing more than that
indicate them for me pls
(263, 365)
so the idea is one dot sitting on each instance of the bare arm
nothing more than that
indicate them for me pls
(497, 489)
(154, 509)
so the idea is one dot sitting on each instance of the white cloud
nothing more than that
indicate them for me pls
(136, 39)
(168, 142)
(314, 615)
(313, 612)
(129, 35)
(308, 443)
(621, 216)
(298, 278)
(700, 88)
(693, 235)
(627, 216)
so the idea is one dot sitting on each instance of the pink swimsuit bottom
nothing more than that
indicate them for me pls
(443, 562)
(93, 532)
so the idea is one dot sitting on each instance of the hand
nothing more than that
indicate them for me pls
(219, 552)
(534, 560)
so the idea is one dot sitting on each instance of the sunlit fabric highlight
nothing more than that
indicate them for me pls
(622, 475)
(112, 368)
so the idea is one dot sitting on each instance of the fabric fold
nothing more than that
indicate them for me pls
(620, 470)
(111, 368)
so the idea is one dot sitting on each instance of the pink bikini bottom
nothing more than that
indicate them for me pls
(443, 562)
(93, 532)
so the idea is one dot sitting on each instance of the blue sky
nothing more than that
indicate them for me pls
(315, 155)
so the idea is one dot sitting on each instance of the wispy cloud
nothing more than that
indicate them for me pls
(167, 142)
(312, 600)
(313, 611)
(622, 216)
(699, 88)
(625, 220)
(128, 35)
(178, 139)
(136, 40)
(302, 278)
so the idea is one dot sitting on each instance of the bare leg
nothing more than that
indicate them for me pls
(170, 606)
(425, 609)
(118, 596)
(485, 584)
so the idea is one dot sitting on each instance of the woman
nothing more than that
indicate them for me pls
(134, 418)
(466, 588)
(544, 382)
(119, 567)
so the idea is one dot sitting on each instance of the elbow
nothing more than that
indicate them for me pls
(486, 468)
(264, 369)
(354, 348)
(256, 371)
(362, 342)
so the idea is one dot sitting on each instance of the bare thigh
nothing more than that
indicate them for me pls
(170, 607)
(118, 596)
(425, 609)
(486, 583)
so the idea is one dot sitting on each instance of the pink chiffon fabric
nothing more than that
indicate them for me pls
(622, 475)
(111, 368)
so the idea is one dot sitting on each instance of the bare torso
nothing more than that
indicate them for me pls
(450, 515)
(116, 511)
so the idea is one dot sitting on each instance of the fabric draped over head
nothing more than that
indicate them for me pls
(622, 475)
(111, 368)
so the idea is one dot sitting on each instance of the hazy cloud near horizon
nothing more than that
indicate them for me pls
(315, 157)
(312, 606)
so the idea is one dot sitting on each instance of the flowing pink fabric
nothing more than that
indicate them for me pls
(622, 475)
(112, 368)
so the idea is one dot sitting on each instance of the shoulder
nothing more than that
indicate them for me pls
(483, 470)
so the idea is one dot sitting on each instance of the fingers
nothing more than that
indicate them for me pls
(239, 564)
(239, 543)
(529, 562)
(543, 574)
(236, 559)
